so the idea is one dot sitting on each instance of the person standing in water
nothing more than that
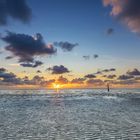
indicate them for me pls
(108, 88)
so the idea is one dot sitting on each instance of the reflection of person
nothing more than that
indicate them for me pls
(108, 87)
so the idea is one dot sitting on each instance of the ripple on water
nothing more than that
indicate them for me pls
(81, 114)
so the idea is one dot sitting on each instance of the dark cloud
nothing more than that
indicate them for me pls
(134, 72)
(9, 57)
(78, 81)
(125, 77)
(98, 72)
(62, 80)
(104, 76)
(105, 71)
(47, 83)
(8, 77)
(127, 11)
(126, 82)
(26, 81)
(36, 80)
(111, 76)
(109, 70)
(58, 69)
(16, 9)
(95, 56)
(94, 82)
(137, 78)
(2, 70)
(26, 47)
(110, 31)
(86, 57)
(66, 46)
(112, 69)
(90, 76)
(38, 71)
(32, 64)
(40, 81)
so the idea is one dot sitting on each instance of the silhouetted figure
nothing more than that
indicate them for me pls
(108, 89)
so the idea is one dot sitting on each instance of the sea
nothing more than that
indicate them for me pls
(70, 114)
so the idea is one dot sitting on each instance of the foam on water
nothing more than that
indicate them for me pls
(69, 114)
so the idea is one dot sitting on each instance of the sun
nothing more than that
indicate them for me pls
(56, 86)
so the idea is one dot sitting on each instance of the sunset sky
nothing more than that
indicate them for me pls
(73, 43)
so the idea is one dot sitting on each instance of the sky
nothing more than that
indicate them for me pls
(71, 43)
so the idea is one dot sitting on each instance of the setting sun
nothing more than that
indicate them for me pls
(56, 86)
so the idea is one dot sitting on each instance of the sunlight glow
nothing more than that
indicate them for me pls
(56, 86)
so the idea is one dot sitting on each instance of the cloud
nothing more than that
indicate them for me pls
(78, 81)
(47, 83)
(36, 80)
(39, 81)
(127, 11)
(98, 72)
(62, 80)
(9, 57)
(137, 78)
(104, 76)
(16, 9)
(86, 57)
(134, 72)
(105, 71)
(66, 46)
(50, 82)
(112, 69)
(95, 56)
(111, 76)
(109, 70)
(8, 77)
(58, 69)
(110, 31)
(32, 64)
(2, 70)
(38, 71)
(90, 76)
(94, 82)
(26, 47)
(125, 77)
(126, 82)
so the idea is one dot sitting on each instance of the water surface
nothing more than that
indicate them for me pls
(69, 114)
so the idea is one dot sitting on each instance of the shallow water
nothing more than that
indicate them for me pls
(69, 114)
